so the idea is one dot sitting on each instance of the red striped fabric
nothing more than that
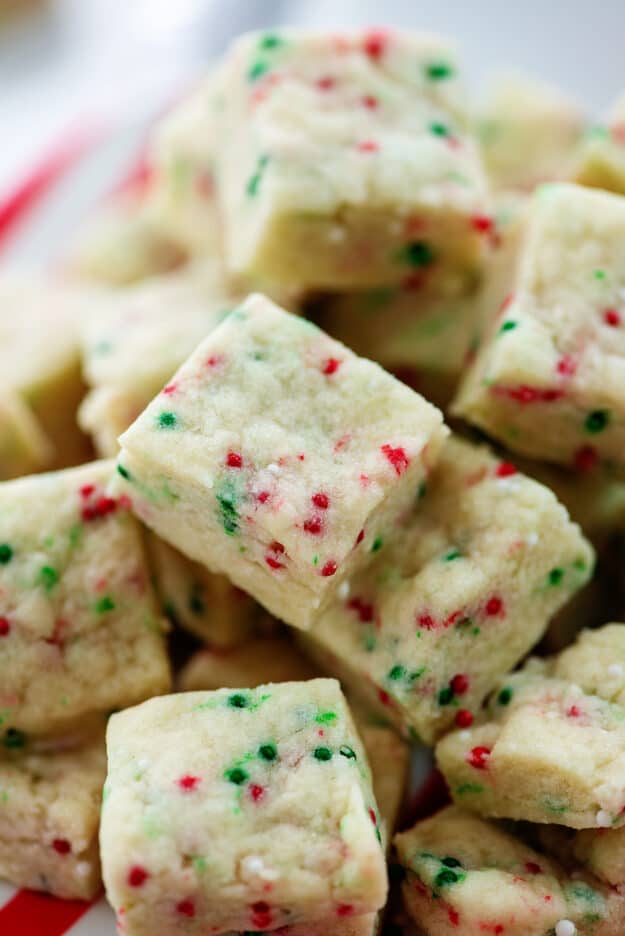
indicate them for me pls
(29, 913)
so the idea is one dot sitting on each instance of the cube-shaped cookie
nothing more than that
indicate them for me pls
(137, 341)
(430, 625)
(465, 875)
(346, 160)
(600, 851)
(207, 605)
(40, 360)
(547, 750)
(277, 659)
(239, 809)
(528, 131)
(601, 157)
(49, 818)
(79, 627)
(24, 448)
(548, 378)
(279, 458)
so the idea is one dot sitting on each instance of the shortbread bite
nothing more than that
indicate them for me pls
(425, 338)
(548, 379)
(546, 750)
(528, 131)
(454, 599)
(279, 458)
(467, 877)
(24, 447)
(346, 161)
(139, 339)
(204, 604)
(596, 662)
(49, 817)
(601, 851)
(79, 628)
(39, 357)
(181, 200)
(278, 659)
(239, 809)
(119, 246)
(601, 156)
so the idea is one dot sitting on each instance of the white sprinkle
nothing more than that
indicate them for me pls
(532, 539)
(508, 484)
(343, 590)
(603, 819)
(565, 928)
(615, 669)
(336, 234)
(273, 468)
(143, 763)
(464, 735)
(253, 866)
(83, 869)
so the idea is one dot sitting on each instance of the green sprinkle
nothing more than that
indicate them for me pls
(451, 555)
(438, 71)
(597, 421)
(397, 672)
(377, 544)
(199, 864)
(469, 788)
(268, 752)
(123, 472)
(347, 752)
(580, 565)
(257, 70)
(451, 862)
(270, 41)
(104, 604)
(510, 325)
(417, 254)
(167, 421)
(422, 490)
(6, 553)
(14, 739)
(447, 876)
(599, 274)
(196, 602)
(555, 576)
(505, 696)
(227, 506)
(238, 700)
(326, 718)
(439, 129)
(49, 577)
(445, 696)
(253, 185)
(322, 754)
(236, 775)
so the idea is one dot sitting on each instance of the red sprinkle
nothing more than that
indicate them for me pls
(612, 317)
(427, 621)
(276, 547)
(478, 757)
(61, 846)
(344, 910)
(368, 146)
(330, 366)
(87, 490)
(186, 908)
(360, 537)
(170, 388)
(321, 500)
(137, 876)
(384, 697)
(326, 83)
(482, 223)
(263, 497)
(375, 43)
(369, 101)
(261, 914)
(329, 568)
(5, 627)
(214, 360)
(454, 916)
(505, 469)
(363, 609)
(567, 365)
(101, 508)
(313, 525)
(397, 457)
(585, 458)
(524, 394)
(459, 684)
(464, 718)
(188, 782)
(532, 868)
(256, 792)
(573, 712)
(373, 817)
(234, 460)
(494, 606)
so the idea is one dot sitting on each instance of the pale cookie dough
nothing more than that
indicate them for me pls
(39, 357)
(528, 131)
(426, 339)
(24, 447)
(119, 246)
(468, 877)
(279, 458)
(548, 380)
(346, 161)
(239, 809)
(278, 659)
(49, 817)
(459, 596)
(551, 746)
(79, 628)
(601, 157)
(139, 338)
(204, 604)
